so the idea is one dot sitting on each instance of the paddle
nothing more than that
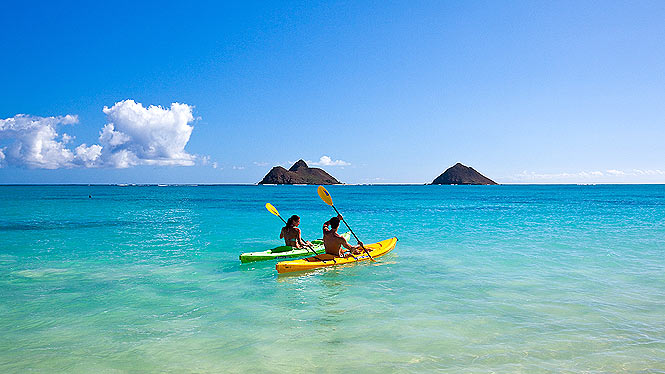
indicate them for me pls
(274, 211)
(325, 196)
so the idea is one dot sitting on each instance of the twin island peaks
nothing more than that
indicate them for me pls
(301, 173)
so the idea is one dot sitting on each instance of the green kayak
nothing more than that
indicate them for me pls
(286, 251)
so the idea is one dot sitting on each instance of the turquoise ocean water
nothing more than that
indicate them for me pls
(532, 279)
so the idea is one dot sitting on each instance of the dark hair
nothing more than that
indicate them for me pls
(290, 221)
(334, 222)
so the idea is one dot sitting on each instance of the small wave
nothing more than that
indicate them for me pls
(40, 273)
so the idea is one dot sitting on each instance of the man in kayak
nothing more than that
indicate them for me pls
(333, 242)
(292, 235)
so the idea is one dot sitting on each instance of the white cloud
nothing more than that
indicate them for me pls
(238, 168)
(88, 156)
(207, 160)
(34, 141)
(112, 138)
(151, 136)
(327, 161)
(648, 172)
(525, 175)
(121, 159)
(66, 138)
(134, 135)
(585, 176)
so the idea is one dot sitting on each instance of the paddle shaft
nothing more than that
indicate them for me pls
(353, 233)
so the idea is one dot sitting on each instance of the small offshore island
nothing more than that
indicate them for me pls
(461, 174)
(299, 173)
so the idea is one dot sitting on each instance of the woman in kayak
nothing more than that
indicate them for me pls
(291, 233)
(334, 241)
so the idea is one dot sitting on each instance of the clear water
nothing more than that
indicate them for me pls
(507, 279)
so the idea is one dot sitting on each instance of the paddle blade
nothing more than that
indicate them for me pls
(324, 195)
(272, 209)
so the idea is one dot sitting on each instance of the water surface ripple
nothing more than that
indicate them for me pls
(537, 279)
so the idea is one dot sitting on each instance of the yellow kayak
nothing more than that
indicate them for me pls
(375, 249)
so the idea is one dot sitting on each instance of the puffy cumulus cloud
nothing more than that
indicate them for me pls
(34, 142)
(121, 159)
(134, 135)
(327, 161)
(66, 138)
(152, 136)
(88, 156)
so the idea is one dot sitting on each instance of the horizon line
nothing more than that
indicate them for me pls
(304, 185)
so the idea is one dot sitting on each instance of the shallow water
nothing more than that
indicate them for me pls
(484, 279)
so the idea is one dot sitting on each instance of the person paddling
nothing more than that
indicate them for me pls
(292, 235)
(333, 242)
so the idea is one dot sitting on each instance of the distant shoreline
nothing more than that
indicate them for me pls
(307, 185)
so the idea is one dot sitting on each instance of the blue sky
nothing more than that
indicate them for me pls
(525, 92)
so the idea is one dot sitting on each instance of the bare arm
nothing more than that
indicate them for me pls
(326, 225)
(346, 244)
(281, 234)
(299, 239)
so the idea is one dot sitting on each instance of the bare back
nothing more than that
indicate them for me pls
(333, 243)
(291, 236)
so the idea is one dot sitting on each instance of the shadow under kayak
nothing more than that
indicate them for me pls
(285, 251)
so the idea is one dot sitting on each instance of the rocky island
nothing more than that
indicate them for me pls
(299, 173)
(460, 174)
